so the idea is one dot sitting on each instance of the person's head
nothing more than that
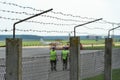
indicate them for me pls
(65, 48)
(53, 48)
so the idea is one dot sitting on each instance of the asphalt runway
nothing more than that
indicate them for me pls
(35, 51)
(27, 52)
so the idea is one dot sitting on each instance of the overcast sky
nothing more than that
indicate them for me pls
(60, 23)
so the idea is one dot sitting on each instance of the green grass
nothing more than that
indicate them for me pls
(86, 42)
(25, 43)
(31, 43)
(98, 77)
(92, 44)
(115, 76)
(2, 43)
(94, 48)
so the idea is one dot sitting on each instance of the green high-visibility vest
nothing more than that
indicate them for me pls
(64, 54)
(53, 55)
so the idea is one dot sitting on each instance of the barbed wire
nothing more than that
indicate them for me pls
(31, 30)
(48, 16)
(95, 28)
(43, 23)
(50, 24)
(56, 12)
(8, 11)
(48, 31)
(20, 6)
(56, 31)
(6, 30)
(113, 23)
(43, 10)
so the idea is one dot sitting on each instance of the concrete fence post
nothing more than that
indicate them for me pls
(74, 58)
(108, 59)
(13, 59)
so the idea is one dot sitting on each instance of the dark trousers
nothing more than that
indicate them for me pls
(53, 64)
(64, 64)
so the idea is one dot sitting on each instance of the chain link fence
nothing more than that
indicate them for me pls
(2, 69)
(38, 68)
(92, 64)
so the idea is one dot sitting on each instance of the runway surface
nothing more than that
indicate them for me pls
(35, 51)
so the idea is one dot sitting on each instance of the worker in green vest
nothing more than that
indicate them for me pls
(53, 59)
(64, 57)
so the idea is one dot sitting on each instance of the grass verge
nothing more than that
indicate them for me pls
(115, 76)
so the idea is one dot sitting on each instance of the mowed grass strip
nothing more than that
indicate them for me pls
(115, 76)
(90, 41)
(87, 44)
(31, 43)
(2, 43)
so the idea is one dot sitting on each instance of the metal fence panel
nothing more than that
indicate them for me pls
(2, 69)
(38, 68)
(92, 64)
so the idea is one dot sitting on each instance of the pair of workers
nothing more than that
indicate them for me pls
(64, 58)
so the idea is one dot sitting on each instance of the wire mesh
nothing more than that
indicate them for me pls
(2, 69)
(35, 68)
(116, 64)
(91, 65)
(38, 68)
